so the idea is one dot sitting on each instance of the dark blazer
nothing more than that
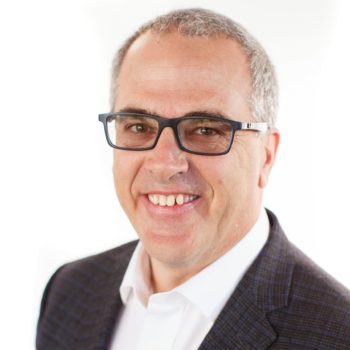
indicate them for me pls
(284, 301)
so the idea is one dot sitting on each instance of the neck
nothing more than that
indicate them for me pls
(165, 278)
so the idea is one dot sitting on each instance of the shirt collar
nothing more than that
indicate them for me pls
(137, 278)
(210, 288)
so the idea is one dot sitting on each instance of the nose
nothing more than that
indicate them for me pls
(166, 160)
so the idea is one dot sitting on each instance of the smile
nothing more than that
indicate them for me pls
(171, 200)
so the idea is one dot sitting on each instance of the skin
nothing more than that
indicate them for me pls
(171, 75)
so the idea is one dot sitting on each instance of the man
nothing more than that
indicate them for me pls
(193, 131)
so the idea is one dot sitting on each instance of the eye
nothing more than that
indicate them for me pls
(138, 128)
(206, 131)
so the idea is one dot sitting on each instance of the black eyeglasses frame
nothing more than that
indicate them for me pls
(173, 122)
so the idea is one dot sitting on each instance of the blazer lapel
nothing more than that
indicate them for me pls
(104, 304)
(243, 323)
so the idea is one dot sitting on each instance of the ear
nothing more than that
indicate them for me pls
(269, 148)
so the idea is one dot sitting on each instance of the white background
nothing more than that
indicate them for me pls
(57, 200)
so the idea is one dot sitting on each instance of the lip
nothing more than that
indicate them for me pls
(169, 192)
(171, 211)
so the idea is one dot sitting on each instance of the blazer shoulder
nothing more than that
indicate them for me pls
(80, 272)
(311, 280)
(77, 279)
(101, 261)
(318, 306)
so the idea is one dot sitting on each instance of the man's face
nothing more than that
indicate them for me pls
(172, 75)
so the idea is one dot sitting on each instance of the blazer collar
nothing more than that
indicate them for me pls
(243, 322)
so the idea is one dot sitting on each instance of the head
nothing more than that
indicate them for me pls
(184, 63)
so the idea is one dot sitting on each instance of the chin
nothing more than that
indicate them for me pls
(168, 247)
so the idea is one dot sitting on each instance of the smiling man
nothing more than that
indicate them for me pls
(193, 130)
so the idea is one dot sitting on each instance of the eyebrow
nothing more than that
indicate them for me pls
(196, 113)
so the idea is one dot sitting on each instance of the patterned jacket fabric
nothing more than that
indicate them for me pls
(284, 301)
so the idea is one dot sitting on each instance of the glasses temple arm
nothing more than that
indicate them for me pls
(255, 126)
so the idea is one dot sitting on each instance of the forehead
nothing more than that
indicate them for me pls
(183, 72)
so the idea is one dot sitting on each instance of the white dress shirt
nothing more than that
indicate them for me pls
(181, 318)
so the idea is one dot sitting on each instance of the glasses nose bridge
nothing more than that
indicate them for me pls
(169, 123)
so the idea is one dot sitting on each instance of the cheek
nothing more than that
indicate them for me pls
(125, 167)
(233, 179)
(220, 174)
(247, 159)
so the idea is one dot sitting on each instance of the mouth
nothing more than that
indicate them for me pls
(171, 200)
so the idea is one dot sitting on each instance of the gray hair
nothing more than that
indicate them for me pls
(205, 23)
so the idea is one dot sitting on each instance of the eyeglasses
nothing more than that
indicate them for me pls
(203, 135)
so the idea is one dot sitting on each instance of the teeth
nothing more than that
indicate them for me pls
(180, 199)
(155, 200)
(162, 201)
(171, 200)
